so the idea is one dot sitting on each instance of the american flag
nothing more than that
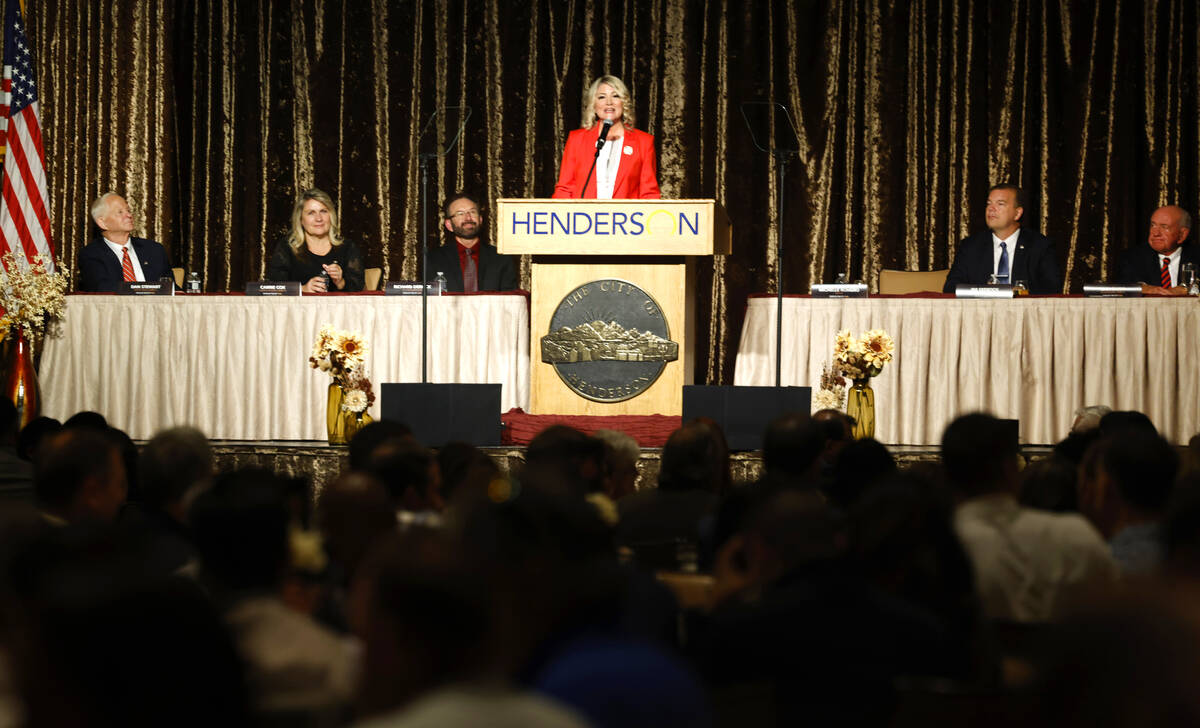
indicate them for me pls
(24, 199)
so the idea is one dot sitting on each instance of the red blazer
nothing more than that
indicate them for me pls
(637, 175)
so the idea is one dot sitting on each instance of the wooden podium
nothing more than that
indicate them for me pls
(597, 246)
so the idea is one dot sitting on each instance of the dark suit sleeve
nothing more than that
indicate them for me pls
(156, 264)
(94, 275)
(958, 269)
(507, 265)
(1046, 276)
(1128, 270)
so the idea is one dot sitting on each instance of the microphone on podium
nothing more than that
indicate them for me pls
(603, 135)
(599, 143)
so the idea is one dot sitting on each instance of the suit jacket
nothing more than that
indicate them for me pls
(100, 271)
(1033, 261)
(1141, 264)
(496, 272)
(637, 174)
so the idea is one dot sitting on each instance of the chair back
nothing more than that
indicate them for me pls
(178, 274)
(899, 282)
(371, 276)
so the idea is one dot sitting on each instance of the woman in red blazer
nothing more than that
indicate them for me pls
(626, 167)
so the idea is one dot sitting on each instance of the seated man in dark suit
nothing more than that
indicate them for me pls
(1007, 251)
(108, 260)
(1157, 265)
(468, 263)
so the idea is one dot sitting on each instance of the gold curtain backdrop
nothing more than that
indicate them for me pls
(210, 115)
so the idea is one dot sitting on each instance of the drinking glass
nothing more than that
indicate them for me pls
(1187, 276)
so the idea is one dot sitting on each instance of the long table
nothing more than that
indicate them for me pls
(1034, 359)
(237, 366)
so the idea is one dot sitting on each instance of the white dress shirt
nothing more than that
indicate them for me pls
(1011, 243)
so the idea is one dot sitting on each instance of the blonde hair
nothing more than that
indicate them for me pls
(589, 98)
(295, 238)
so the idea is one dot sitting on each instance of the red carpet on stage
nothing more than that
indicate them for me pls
(649, 430)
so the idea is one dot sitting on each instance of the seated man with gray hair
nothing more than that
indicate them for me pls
(108, 260)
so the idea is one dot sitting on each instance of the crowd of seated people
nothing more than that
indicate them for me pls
(145, 586)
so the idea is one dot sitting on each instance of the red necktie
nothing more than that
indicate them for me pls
(127, 265)
(470, 275)
(1166, 273)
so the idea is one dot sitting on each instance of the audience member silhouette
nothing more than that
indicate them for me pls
(16, 473)
(1029, 565)
(80, 476)
(294, 665)
(1125, 487)
(792, 448)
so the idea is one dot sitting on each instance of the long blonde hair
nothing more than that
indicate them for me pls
(589, 98)
(295, 238)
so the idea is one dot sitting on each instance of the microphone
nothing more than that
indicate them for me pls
(603, 134)
(599, 143)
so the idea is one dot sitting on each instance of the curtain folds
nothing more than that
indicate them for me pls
(210, 116)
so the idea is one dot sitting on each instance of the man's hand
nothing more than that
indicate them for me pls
(1149, 290)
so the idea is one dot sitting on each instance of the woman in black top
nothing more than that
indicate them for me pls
(315, 248)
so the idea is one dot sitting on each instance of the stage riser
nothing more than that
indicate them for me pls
(322, 463)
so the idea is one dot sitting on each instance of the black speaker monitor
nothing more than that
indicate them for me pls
(441, 413)
(743, 412)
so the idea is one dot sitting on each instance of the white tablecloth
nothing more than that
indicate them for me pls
(1032, 359)
(237, 366)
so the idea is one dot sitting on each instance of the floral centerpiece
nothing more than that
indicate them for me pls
(831, 394)
(32, 301)
(859, 359)
(32, 297)
(343, 355)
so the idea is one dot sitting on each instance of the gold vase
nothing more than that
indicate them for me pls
(352, 422)
(860, 404)
(335, 422)
(20, 378)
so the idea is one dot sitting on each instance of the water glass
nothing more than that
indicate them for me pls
(1187, 276)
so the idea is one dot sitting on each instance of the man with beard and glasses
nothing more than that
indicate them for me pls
(469, 263)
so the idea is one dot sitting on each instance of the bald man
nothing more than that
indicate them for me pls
(1157, 264)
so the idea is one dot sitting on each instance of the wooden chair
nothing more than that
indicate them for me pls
(899, 282)
(372, 276)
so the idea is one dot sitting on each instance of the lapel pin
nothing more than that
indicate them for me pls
(628, 151)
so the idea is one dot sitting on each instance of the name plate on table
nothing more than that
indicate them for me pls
(273, 288)
(403, 288)
(963, 290)
(839, 290)
(1112, 290)
(146, 288)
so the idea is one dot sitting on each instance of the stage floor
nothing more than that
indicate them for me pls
(322, 463)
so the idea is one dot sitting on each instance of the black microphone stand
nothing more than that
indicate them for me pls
(783, 157)
(596, 156)
(424, 158)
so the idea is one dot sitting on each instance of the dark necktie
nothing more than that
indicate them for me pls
(1002, 266)
(470, 275)
(1166, 273)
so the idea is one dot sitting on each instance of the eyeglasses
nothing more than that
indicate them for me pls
(473, 212)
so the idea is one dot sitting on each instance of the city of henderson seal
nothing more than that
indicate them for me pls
(608, 341)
